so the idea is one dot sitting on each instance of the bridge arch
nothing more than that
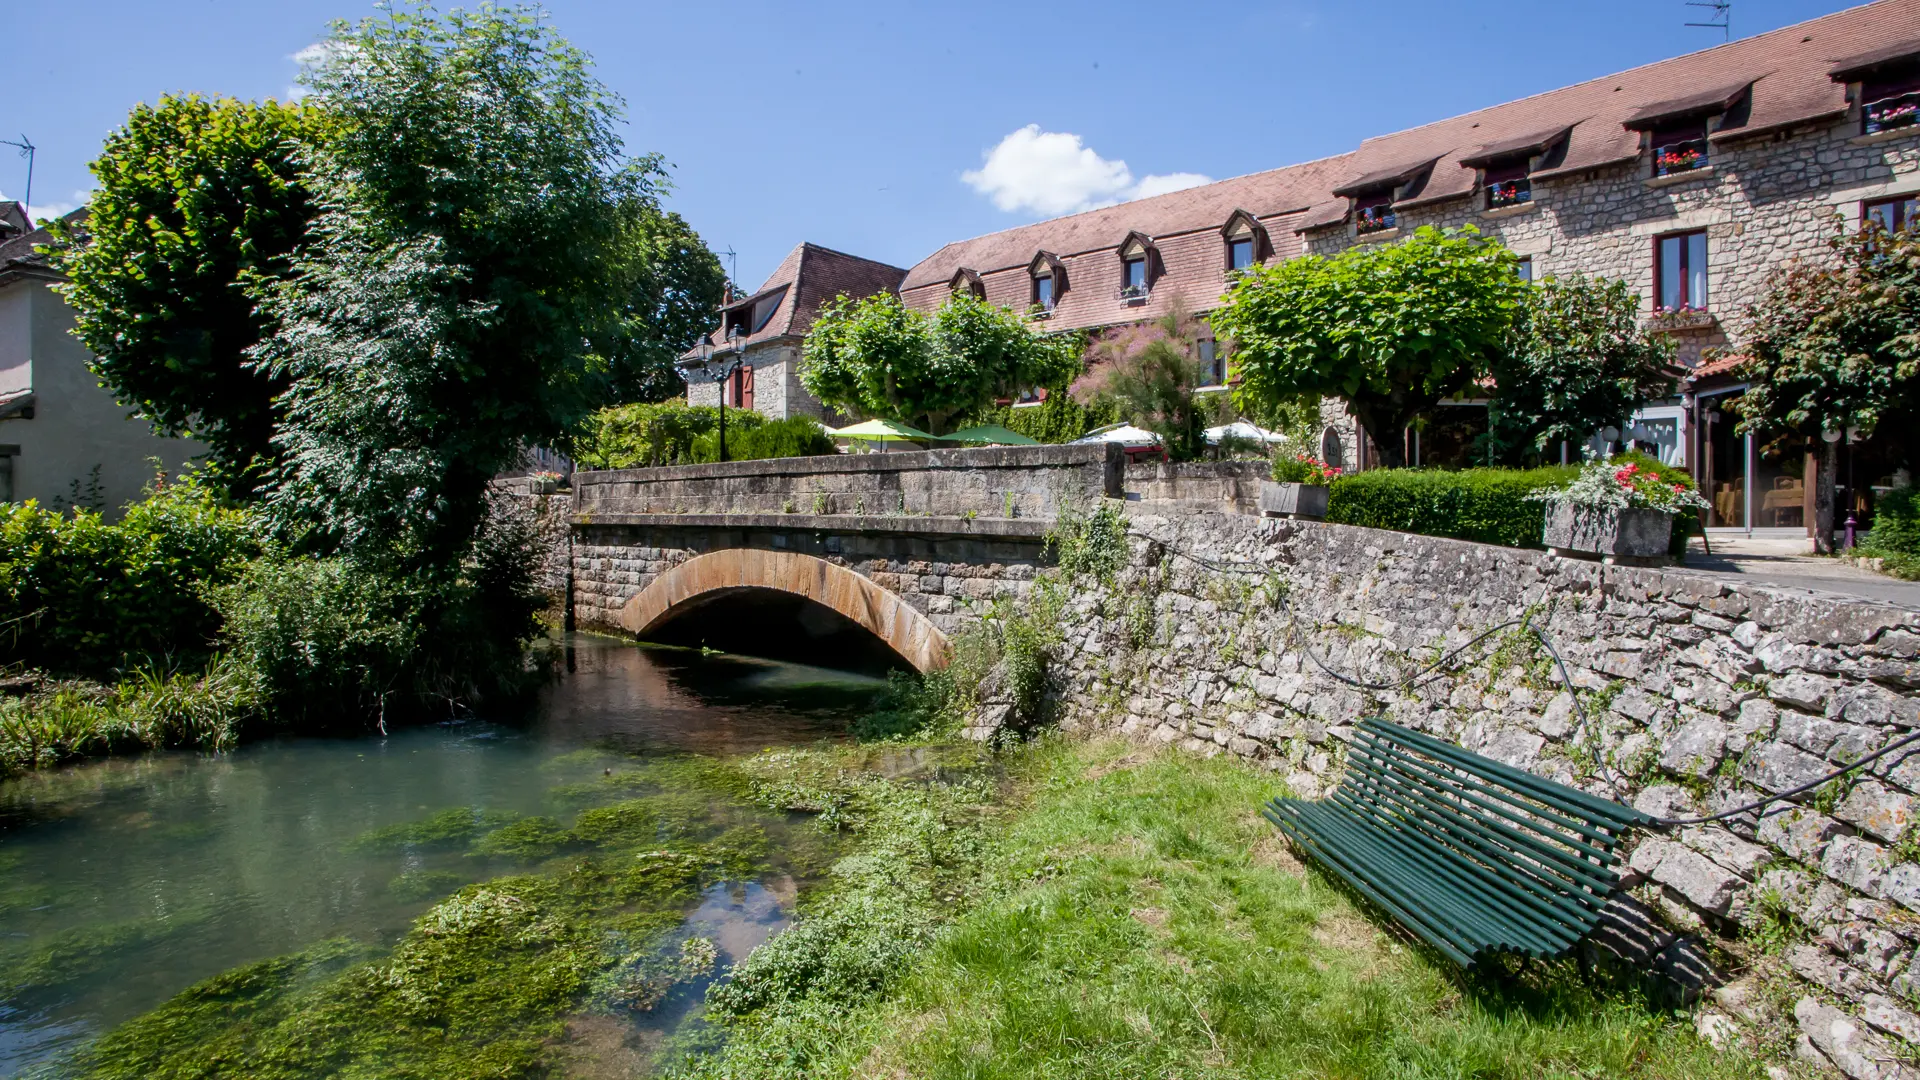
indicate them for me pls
(730, 570)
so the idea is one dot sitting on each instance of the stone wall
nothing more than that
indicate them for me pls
(1698, 696)
(996, 482)
(1231, 487)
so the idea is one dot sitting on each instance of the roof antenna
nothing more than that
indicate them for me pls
(26, 148)
(733, 266)
(1721, 19)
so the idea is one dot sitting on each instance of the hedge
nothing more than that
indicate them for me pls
(1488, 506)
(796, 436)
(640, 436)
(84, 595)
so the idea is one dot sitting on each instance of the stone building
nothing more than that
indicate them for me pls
(64, 441)
(1691, 179)
(769, 327)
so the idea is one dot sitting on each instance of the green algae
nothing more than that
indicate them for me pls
(81, 952)
(421, 884)
(528, 839)
(451, 828)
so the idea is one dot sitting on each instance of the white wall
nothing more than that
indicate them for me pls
(76, 425)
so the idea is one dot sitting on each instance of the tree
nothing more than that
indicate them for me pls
(878, 357)
(1577, 361)
(463, 283)
(197, 200)
(1154, 371)
(1834, 351)
(1393, 329)
(676, 285)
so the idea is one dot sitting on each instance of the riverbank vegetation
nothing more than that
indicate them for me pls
(1061, 908)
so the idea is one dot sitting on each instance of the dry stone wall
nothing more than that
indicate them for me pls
(1694, 696)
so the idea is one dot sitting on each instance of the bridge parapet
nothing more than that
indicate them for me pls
(991, 482)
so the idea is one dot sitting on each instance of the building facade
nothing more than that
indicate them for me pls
(64, 441)
(751, 360)
(1691, 179)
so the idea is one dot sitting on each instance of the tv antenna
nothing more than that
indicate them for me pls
(26, 148)
(1721, 19)
(733, 266)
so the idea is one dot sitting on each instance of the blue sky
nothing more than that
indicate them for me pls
(866, 127)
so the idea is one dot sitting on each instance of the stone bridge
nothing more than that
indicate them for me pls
(792, 555)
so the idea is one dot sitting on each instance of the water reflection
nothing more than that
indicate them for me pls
(124, 881)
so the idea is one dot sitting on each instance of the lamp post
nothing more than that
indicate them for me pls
(736, 350)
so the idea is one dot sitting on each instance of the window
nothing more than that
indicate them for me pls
(1524, 267)
(1680, 271)
(1043, 291)
(1213, 363)
(1240, 253)
(763, 310)
(1507, 185)
(1889, 103)
(1374, 212)
(1893, 214)
(1680, 148)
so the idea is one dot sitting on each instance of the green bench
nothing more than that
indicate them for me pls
(1471, 856)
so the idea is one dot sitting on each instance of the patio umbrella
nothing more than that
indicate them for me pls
(882, 431)
(1126, 435)
(990, 434)
(1241, 429)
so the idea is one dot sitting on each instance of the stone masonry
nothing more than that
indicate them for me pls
(1694, 696)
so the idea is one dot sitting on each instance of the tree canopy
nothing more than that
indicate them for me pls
(676, 283)
(878, 357)
(1834, 347)
(198, 199)
(1391, 328)
(464, 282)
(1577, 361)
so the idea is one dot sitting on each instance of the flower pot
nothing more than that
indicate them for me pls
(1293, 500)
(538, 486)
(1634, 536)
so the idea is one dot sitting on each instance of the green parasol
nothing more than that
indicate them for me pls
(882, 431)
(990, 434)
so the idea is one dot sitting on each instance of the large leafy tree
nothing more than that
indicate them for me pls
(1578, 361)
(1151, 372)
(1392, 329)
(879, 357)
(463, 285)
(1834, 352)
(197, 200)
(676, 283)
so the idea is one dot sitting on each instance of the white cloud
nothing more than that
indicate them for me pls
(47, 211)
(308, 58)
(1053, 172)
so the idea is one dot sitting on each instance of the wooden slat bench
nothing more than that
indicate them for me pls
(1472, 856)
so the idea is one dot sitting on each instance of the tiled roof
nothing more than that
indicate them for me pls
(1724, 364)
(813, 275)
(1788, 70)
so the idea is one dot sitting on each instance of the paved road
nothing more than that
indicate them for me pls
(1781, 563)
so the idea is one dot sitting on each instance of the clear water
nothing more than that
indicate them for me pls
(148, 875)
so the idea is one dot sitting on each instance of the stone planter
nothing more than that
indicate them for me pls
(1633, 537)
(1293, 500)
(538, 486)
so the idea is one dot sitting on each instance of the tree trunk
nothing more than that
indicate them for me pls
(1823, 496)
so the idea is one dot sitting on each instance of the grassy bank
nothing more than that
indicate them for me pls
(1063, 909)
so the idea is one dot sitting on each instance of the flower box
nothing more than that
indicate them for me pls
(1679, 157)
(1374, 219)
(1889, 114)
(1509, 193)
(1632, 535)
(1293, 500)
(1680, 319)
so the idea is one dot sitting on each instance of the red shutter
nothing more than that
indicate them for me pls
(746, 387)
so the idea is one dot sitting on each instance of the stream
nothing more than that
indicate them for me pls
(123, 882)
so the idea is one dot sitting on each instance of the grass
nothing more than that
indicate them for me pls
(60, 720)
(1135, 917)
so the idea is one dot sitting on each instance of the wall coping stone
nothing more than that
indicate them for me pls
(896, 525)
(986, 457)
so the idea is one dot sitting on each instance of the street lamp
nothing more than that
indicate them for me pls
(734, 356)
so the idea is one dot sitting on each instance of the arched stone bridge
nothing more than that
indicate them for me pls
(785, 555)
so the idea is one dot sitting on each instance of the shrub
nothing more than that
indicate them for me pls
(80, 594)
(796, 436)
(1489, 506)
(644, 436)
(1896, 523)
(1059, 419)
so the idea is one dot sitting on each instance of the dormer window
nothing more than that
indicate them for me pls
(1246, 241)
(967, 282)
(1136, 268)
(1679, 148)
(1888, 103)
(1049, 278)
(1373, 211)
(764, 308)
(1508, 185)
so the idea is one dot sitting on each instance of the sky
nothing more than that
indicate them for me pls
(888, 130)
